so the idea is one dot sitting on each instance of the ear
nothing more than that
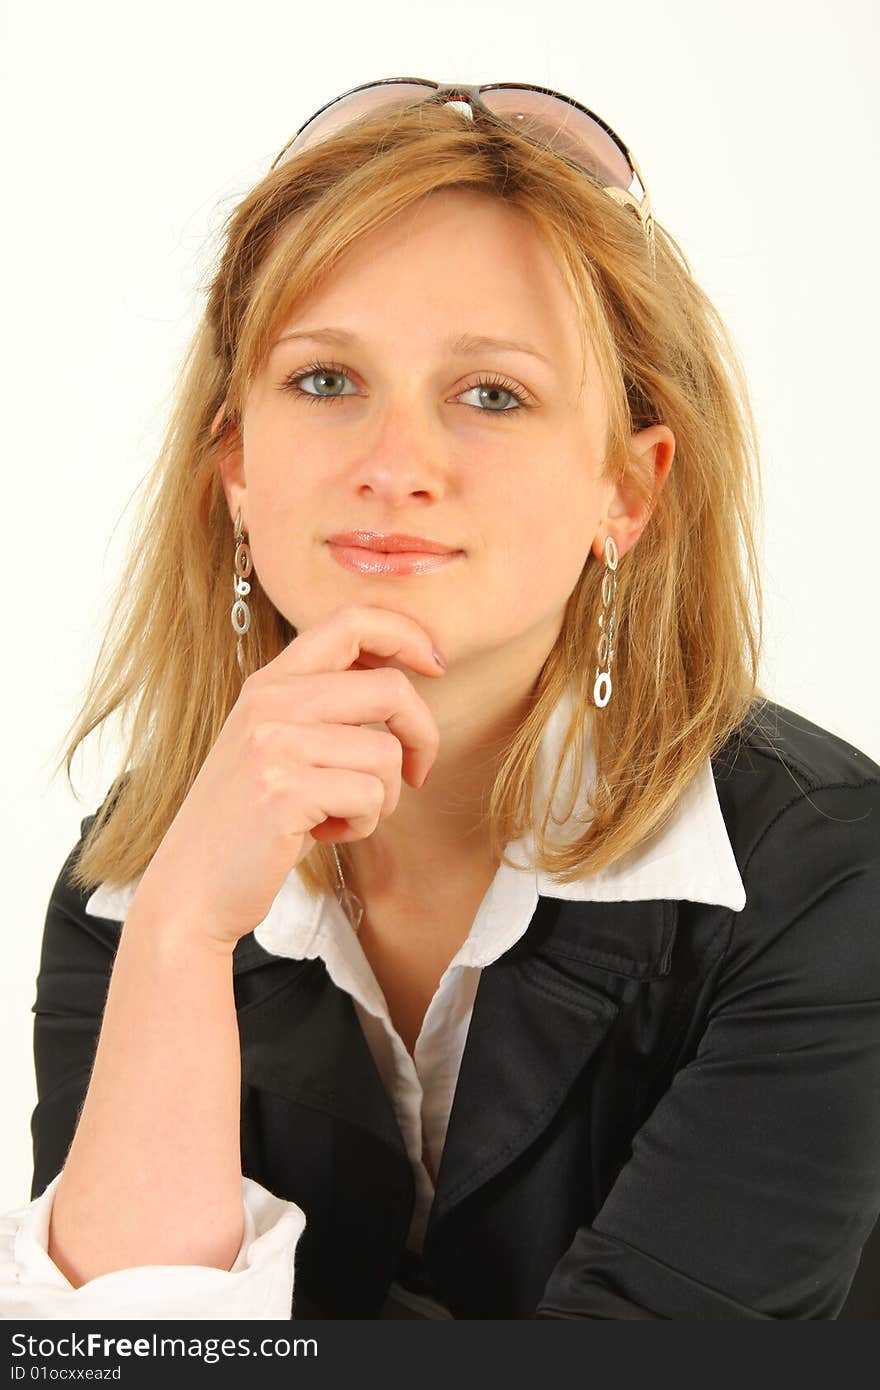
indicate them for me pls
(230, 463)
(626, 515)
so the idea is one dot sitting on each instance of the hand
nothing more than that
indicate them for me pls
(293, 765)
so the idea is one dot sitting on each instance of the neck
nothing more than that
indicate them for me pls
(441, 828)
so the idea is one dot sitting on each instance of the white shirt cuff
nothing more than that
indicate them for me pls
(258, 1285)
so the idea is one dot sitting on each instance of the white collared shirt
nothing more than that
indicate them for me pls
(690, 858)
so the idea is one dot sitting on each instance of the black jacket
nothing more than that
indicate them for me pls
(665, 1109)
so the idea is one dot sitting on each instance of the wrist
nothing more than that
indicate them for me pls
(178, 934)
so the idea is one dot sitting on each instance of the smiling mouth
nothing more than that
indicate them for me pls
(391, 544)
(369, 561)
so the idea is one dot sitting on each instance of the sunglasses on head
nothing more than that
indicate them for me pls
(548, 118)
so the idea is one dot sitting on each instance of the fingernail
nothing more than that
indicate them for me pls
(427, 775)
(440, 659)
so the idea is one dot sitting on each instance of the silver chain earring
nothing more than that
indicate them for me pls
(607, 622)
(240, 613)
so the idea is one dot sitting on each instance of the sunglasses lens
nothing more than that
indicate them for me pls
(546, 119)
(357, 106)
(564, 128)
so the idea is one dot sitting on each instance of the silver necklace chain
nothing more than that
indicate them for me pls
(348, 901)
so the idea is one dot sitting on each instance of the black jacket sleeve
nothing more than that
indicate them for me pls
(754, 1184)
(76, 961)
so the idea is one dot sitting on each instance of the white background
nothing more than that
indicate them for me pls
(128, 133)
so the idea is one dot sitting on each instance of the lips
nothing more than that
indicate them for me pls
(372, 563)
(392, 544)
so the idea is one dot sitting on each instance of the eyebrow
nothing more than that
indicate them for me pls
(468, 342)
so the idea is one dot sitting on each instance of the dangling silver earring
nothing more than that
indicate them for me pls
(607, 621)
(240, 613)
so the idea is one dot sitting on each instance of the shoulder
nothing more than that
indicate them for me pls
(780, 772)
(74, 941)
(772, 733)
(802, 809)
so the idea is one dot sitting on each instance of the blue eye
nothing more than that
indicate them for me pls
(488, 387)
(317, 369)
(492, 387)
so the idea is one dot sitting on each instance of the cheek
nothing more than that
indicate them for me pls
(284, 495)
(542, 540)
(283, 527)
(529, 570)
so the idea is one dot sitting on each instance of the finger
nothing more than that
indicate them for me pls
(355, 749)
(356, 698)
(348, 800)
(362, 634)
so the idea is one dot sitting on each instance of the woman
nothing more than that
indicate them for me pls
(587, 1025)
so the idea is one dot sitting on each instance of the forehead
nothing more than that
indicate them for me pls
(455, 264)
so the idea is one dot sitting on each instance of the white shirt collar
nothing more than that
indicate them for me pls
(691, 858)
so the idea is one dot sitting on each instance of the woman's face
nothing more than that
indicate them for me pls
(394, 434)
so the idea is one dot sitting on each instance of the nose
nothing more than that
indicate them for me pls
(404, 462)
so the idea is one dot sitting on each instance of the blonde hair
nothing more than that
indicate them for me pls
(688, 640)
